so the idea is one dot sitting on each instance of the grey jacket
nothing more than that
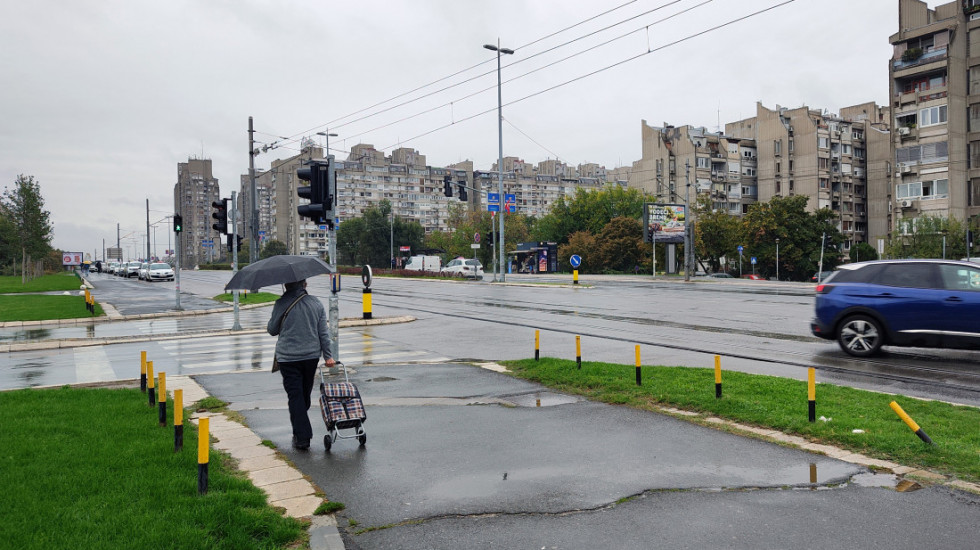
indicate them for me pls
(304, 332)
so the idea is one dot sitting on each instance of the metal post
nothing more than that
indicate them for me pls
(500, 157)
(177, 270)
(777, 258)
(334, 311)
(234, 253)
(687, 222)
(253, 245)
(147, 229)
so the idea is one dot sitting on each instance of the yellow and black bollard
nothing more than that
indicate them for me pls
(811, 394)
(537, 345)
(366, 297)
(162, 417)
(575, 277)
(911, 423)
(717, 377)
(150, 392)
(639, 379)
(143, 371)
(578, 351)
(178, 420)
(203, 440)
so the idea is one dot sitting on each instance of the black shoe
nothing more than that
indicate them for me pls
(301, 444)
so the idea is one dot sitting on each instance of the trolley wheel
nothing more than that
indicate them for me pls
(327, 442)
(362, 439)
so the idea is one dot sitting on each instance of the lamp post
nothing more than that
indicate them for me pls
(500, 154)
(777, 258)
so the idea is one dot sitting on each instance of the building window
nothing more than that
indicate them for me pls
(930, 116)
(823, 143)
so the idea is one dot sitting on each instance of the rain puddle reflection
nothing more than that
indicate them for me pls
(540, 399)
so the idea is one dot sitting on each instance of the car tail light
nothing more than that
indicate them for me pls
(824, 289)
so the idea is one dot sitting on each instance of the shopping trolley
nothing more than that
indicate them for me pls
(342, 409)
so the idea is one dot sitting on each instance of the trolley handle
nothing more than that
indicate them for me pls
(321, 366)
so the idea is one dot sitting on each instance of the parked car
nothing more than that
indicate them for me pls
(423, 263)
(111, 268)
(160, 272)
(917, 303)
(462, 267)
(754, 277)
(820, 276)
(720, 275)
(132, 270)
(144, 271)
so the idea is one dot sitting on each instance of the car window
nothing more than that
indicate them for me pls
(865, 274)
(957, 277)
(160, 266)
(917, 275)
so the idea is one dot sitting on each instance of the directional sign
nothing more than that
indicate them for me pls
(493, 197)
(740, 249)
(510, 198)
(575, 260)
(493, 208)
(323, 228)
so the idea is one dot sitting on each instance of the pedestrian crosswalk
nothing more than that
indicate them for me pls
(255, 352)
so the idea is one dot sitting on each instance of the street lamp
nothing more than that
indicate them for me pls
(777, 258)
(500, 153)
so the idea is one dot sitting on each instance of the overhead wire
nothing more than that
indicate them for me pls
(605, 68)
(462, 71)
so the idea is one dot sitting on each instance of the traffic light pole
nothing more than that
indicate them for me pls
(334, 310)
(177, 272)
(234, 253)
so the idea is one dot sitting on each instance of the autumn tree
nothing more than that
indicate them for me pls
(588, 210)
(717, 234)
(621, 245)
(583, 244)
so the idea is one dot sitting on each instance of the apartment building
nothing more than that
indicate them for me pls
(680, 163)
(195, 190)
(934, 86)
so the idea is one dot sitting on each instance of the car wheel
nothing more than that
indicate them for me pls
(860, 336)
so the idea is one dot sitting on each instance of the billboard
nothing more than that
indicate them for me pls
(71, 258)
(664, 223)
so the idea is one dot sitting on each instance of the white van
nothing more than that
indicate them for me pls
(423, 263)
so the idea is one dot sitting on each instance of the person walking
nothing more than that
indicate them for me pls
(300, 321)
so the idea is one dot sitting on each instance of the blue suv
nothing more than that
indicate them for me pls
(917, 303)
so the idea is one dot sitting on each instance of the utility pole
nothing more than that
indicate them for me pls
(687, 222)
(253, 238)
(334, 310)
(177, 271)
(147, 229)
(234, 252)
(118, 243)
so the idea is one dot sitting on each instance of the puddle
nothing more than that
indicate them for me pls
(540, 399)
(890, 481)
(381, 379)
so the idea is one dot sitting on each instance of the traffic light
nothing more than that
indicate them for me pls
(228, 242)
(178, 223)
(319, 192)
(447, 186)
(220, 214)
(462, 190)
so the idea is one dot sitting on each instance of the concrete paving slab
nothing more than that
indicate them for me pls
(300, 507)
(279, 474)
(258, 463)
(250, 451)
(288, 490)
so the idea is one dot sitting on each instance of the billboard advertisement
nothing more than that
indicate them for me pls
(71, 258)
(664, 223)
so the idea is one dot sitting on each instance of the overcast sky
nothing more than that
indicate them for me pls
(102, 98)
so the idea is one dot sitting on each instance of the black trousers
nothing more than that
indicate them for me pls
(297, 380)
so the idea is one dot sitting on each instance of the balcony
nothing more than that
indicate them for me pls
(927, 57)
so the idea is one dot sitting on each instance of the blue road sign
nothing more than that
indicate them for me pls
(493, 197)
(510, 198)
(323, 228)
(752, 260)
(575, 260)
(740, 249)
(493, 208)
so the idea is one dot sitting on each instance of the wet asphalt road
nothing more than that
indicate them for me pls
(460, 457)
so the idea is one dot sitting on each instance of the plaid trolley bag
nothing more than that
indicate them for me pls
(342, 409)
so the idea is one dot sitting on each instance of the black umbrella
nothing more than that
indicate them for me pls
(277, 270)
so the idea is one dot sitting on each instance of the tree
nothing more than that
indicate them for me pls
(799, 233)
(717, 234)
(588, 211)
(371, 238)
(621, 245)
(863, 252)
(23, 206)
(349, 241)
(923, 237)
(274, 248)
(583, 244)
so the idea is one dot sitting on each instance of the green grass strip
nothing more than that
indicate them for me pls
(781, 404)
(248, 298)
(45, 283)
(42, 307)
(90, 468)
